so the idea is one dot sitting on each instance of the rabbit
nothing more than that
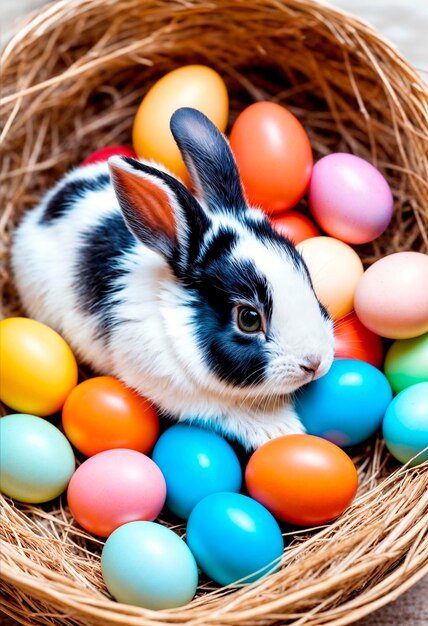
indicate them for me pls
(193, 301)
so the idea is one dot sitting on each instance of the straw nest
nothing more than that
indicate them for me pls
(71, 80)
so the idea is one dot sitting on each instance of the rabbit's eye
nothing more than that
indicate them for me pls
(249, 320)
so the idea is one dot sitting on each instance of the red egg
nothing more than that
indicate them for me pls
(295, 226)
(354, 341)
(273, 154)
(103, 154)
(302, 479)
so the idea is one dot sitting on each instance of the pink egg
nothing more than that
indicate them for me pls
(115, 487)
(349, 198)
(392, 296)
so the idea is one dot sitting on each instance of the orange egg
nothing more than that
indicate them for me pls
(273, 154)
(302, 479)
(352, 340)
(295, 226)
(194, 86)
(101, 414)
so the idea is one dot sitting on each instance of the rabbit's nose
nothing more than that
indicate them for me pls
(310, 364)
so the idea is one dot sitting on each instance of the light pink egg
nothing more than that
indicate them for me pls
(349, 198)
(392, 296)
(114, 487)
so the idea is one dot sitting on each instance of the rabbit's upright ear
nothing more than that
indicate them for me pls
(209, 159)
(158, 209)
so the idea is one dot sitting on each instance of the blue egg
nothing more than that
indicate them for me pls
(405, 425)
(148, 565)
(346, 406)
(234, 537)
(195, 463)
(36, 460)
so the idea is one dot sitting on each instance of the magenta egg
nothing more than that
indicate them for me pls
(349, 198)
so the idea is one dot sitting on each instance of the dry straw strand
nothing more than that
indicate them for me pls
(72, 77)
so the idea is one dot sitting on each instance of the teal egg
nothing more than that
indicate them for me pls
(36, 459)
(347, 405)
(406, 362)
(195, 463)
(148, 565)
(405, 425)
(234, 538)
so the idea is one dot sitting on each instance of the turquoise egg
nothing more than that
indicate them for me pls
(195, 463)
(233, 537)
(148, 565)
(347, 405)
(405, 425)
(36, 460)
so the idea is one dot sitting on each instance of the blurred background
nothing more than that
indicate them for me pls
(405, 24)
(402, 22)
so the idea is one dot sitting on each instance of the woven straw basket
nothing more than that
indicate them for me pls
(72, 78)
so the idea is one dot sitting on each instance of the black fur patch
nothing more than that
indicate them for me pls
(98, 267)
(235, 357)
(207, 154)
(223, 242)
(69, 193)
(264, 232)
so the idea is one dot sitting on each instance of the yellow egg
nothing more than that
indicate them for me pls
(37, 368)
(193, 86)
(335, 269)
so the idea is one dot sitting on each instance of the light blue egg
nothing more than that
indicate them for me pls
(148, 565)
(405, 425)
(36, 460)
(234, 537)
(347, 405)
(195, 463)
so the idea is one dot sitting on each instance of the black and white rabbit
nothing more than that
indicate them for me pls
(196, 303)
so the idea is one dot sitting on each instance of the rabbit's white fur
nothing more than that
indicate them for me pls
(153, 352)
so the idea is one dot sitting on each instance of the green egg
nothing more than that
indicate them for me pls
(36, 460)
(406, 362)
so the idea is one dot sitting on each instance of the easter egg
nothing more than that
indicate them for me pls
(195, 463)
(273, 155)
(347, 405)
(295, 226)
(115, 487)
(349, 198)
(36, 460)
(335, 269)
(37, 367)
(148, 565)
(405, 425)
(102, 413)
(193, 86)
(392, 296)
(234, 537)
(406, 362)
(352, 340)
(301, 479)
(103, 154)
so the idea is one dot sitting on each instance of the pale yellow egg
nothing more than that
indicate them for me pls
(335, 269)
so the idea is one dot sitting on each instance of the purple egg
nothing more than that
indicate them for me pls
(349, 198)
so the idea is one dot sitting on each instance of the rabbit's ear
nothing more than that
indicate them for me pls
(158, 209)
(209, 159)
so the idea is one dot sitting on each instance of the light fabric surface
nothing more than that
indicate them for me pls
(406, 25)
